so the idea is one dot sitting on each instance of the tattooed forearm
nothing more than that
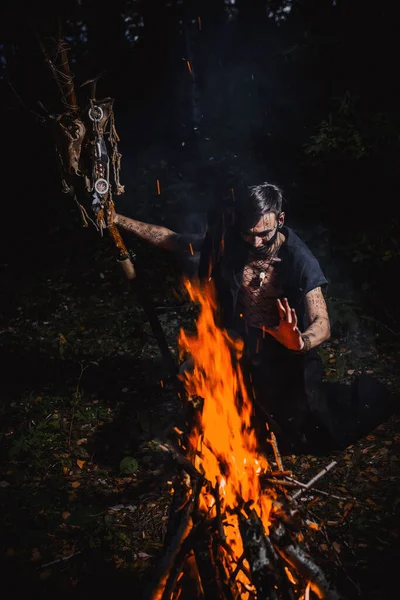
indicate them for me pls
(318, 329)
(154, 234)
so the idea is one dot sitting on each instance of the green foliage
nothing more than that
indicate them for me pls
(128, 465)
(36, 439)
(339, 133)
(351, 133)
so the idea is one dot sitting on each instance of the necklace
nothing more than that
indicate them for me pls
(263, 274)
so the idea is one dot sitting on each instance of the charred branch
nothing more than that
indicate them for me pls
(297, 558)
(171, 553)
(207, 566)
(263, 575)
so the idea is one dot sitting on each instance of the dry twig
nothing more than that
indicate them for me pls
(314, 479)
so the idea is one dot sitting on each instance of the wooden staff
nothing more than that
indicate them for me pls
(63, 76)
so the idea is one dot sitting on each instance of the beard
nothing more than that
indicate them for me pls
(263, 250)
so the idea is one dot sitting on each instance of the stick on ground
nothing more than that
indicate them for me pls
(314, 479)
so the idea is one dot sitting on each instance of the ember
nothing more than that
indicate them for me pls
(234, 531)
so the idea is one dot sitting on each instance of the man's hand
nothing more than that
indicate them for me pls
(287, 333)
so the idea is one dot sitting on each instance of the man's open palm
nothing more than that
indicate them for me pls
(287, 332)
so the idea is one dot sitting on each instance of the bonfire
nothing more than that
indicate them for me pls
(234, 531)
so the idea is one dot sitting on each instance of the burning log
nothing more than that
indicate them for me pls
(206, 555)
(272, 566)
(169, 567)
(267, 574)
(302, 563)
(234, 532)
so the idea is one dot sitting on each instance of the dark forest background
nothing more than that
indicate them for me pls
(302, 93)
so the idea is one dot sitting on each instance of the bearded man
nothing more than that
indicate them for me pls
(271, 292)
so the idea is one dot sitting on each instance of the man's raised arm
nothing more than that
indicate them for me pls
(157, 235)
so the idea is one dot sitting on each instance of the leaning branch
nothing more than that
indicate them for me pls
(314, 479)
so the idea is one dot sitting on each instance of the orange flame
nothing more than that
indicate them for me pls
(290, 576)
(224, 445)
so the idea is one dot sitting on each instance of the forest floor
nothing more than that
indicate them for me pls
(84, 495)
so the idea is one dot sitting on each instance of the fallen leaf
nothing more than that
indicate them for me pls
(75, 484)
(82, 441)
(80, 463)
(144, 555)
(350, 372)
(324, 547)
(65, 515)
(4, 484)
(337, 547)
(65, 470)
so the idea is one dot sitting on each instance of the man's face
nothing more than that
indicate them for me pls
(263, 231)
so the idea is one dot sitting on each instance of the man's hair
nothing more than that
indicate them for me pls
(261, 200)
